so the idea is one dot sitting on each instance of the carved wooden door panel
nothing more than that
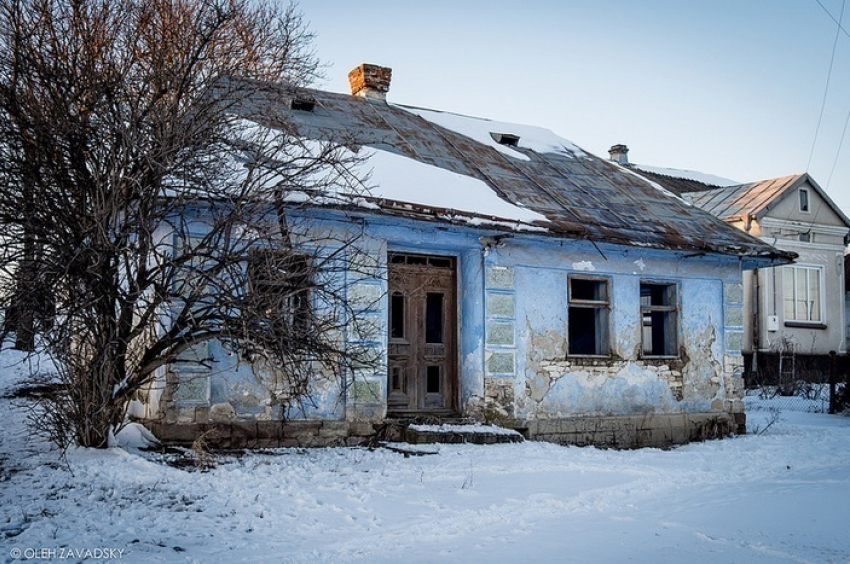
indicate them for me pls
(422, 335)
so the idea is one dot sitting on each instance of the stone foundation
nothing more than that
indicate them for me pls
(266, 434)
(631, 431)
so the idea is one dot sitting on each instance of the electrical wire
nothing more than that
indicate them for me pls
(838, 152)
(828, 76)
(828, 13)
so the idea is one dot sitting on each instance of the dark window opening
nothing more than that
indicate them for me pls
(805, 237)
(804, 200)
(440, 262)
(303, 105)
(506, 139)
(417, 260)
(588, 316)
(658, 307)
(434, 318)
(397, 315)
(279, 296)
(588, 290)
(421, 260)
(432, 384)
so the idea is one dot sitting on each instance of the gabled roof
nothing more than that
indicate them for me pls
(756, 199)
(577, 194)
(752, 199)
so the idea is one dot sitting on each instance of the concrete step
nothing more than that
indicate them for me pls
(448, 433)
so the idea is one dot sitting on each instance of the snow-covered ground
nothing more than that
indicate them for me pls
(782, 496)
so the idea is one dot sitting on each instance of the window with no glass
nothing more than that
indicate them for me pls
(397, 316)
(587, 318)
(658, 307)
(279, 284)
(432, 383)
(434, 317)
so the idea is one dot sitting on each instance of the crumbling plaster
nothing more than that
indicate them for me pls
(549, 383)
(526, 328)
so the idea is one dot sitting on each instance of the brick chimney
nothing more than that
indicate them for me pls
(619, 154)
(370, 81)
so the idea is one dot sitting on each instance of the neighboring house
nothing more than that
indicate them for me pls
(521, 281)
(847, 302)
(794, 315)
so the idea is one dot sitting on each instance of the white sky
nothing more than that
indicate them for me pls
(727, 87)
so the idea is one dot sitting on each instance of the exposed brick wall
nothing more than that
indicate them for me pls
(370, 81)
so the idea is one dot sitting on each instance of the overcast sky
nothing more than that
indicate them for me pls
(728, 87)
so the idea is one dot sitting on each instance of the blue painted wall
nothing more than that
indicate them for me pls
(513, 307)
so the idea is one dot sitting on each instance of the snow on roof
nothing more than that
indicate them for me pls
(538, 139)
(652, 183)
(398, 178)
(544, 179)
(695, 175)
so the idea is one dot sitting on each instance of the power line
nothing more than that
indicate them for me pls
(828, 76)
(828, 13)
(838, 153)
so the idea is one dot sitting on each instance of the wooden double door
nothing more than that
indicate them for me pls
(422, 325)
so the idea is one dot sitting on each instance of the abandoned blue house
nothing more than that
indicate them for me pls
(520, 281)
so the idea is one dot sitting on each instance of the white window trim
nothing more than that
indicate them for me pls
(821, 293)
(808, 200)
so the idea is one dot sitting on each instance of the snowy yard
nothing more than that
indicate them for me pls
(780, 496)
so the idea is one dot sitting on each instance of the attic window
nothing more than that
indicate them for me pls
(302, 105)
(507, 139)
(804, 200)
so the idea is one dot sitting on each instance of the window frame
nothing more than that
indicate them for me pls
(295, 292)
(821, 304)
(671, 312)
(804, 206)
(602, 308)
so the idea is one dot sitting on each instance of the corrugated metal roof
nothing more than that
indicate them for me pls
(581, 195)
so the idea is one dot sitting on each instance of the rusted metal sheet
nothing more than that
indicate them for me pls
(580, 195)
(731, 202)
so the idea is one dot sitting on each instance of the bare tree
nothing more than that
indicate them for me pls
(144, 212)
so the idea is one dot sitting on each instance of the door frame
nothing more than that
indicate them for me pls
(453, 397)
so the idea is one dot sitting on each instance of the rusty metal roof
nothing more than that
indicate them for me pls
(739, 202)
(582, 196)
(755, 199)
(676, 184)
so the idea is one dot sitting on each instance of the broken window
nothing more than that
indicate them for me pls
(507, 139)
(433, 318)
(397, 316)
(658, 307)
(303, 105)
(588, 316)
(279, 285)
(802, 291)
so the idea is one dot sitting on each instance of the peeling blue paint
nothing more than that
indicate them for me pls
(531, 300)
